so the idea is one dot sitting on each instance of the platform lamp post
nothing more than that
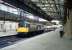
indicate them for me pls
(4, 23)
(3, 18)
(19, 15)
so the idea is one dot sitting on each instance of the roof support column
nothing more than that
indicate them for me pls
(68, 19)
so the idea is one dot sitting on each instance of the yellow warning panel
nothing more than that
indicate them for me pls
(22, 29)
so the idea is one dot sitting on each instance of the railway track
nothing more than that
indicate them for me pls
(9, 40)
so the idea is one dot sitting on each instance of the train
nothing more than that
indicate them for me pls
(24, 28)
(29, 29)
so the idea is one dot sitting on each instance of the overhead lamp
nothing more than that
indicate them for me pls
(52, 5)
(34, 0)
(46, 5)
(44, 8)
(40, 19)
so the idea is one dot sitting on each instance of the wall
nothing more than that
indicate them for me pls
(8, 28)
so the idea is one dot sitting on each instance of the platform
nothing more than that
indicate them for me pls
(46, 41)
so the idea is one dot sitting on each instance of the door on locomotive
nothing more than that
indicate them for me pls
(40, 27)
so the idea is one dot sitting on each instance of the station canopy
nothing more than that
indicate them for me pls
(54, 8)
(48, 8)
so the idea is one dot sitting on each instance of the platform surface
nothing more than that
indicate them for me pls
(46, 41)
